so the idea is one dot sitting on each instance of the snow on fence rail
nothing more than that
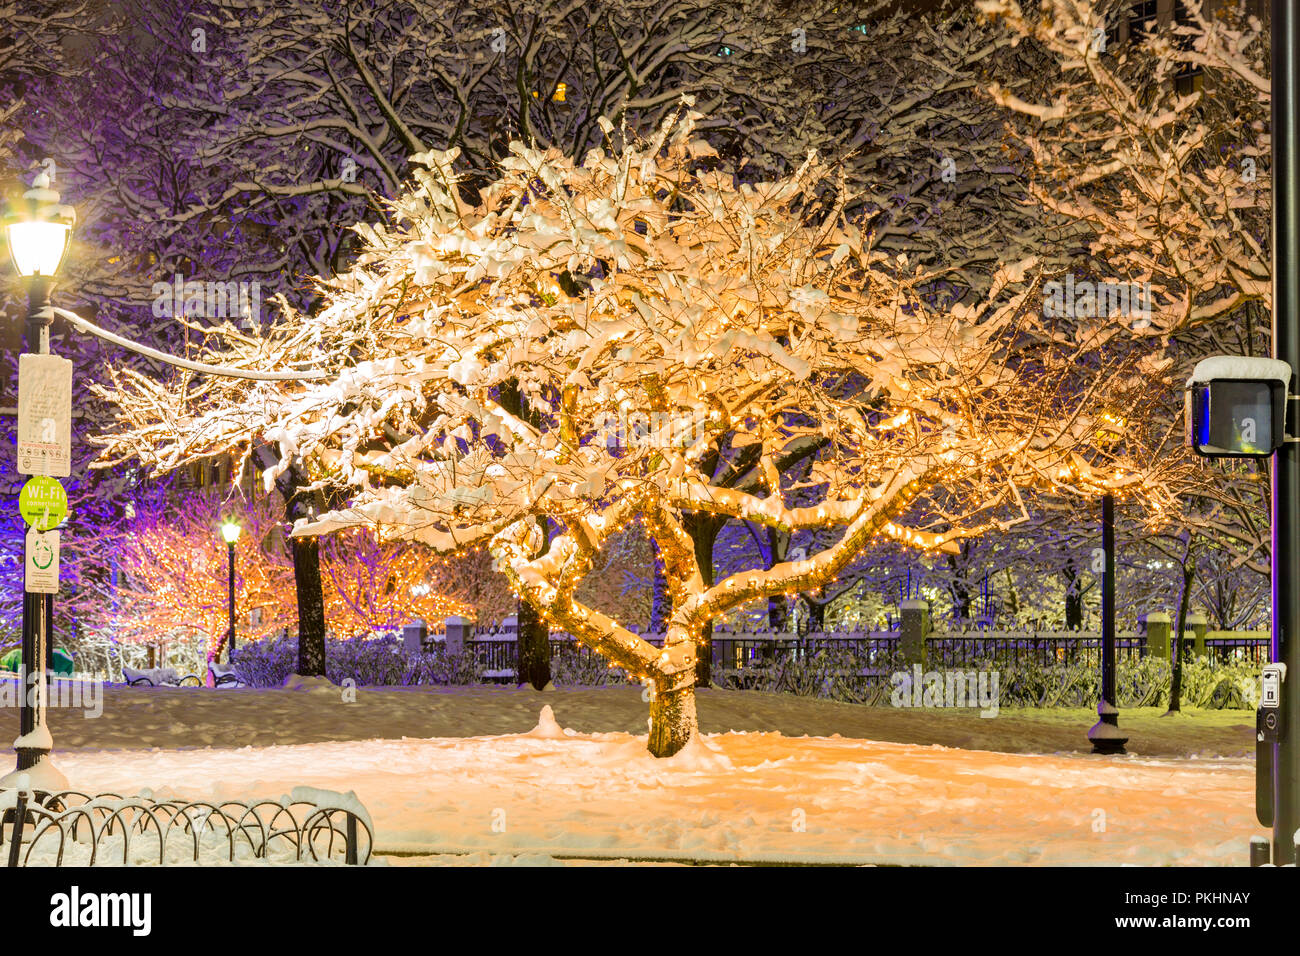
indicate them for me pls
(70, 828)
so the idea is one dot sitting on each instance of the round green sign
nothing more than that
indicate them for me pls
(43, 503)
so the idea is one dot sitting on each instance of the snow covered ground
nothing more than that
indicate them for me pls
(143, 717)
(738, 796)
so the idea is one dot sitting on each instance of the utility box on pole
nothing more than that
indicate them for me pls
(1236, 406)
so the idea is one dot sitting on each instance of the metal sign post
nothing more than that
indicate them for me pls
(44, 443)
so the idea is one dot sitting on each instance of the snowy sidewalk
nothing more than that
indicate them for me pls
(734, 797)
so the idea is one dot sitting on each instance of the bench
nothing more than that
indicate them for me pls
(224, 675)
(158, 677)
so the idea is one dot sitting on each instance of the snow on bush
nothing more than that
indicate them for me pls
(366, 661)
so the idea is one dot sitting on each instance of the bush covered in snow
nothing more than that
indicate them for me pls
(835, 674)
(839, 674)
(1138, 683)
(571, 667)
(848, 676)
(368, 661)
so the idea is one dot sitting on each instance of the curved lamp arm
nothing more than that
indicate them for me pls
(225, 371)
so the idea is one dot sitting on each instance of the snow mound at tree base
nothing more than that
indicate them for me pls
(548, 728)
(698, 754)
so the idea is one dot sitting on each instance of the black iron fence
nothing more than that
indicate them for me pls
(71, 828)
(737, 650)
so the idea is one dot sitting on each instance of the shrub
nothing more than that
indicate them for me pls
(851, 677)
(571, 667)
(832, 673)
(840, 674)
(265, 663)
(367, 661)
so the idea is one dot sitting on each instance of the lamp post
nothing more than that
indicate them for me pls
(1105, 735)
(230, 531)
(38, 231)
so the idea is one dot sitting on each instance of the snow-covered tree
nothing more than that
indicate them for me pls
(1170, 177)
(229, 140)
(1153, 154)
(374, 586)
(673, 327)
(170, 569)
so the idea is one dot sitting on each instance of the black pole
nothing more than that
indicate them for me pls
(230, 637)
(1286, 461)
(49, 638)
(1108, 600)
(1105, 735)
(31, 712)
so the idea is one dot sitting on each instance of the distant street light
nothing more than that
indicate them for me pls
(230, 531)
(38, 230)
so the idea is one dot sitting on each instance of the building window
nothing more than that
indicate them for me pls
(1190, 77)
(1142, 18)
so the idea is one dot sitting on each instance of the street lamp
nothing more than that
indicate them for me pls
(230, 531)
(38, 230)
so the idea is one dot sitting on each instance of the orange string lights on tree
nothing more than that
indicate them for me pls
(173, 580)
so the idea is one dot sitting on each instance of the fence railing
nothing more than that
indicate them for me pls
(71, 828)
(739, 650)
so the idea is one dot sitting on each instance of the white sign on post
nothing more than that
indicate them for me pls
(44, 415)
(42, 576)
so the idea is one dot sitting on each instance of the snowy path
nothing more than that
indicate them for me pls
(736, 796)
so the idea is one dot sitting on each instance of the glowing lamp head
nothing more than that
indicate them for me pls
(230, 531)
(38, 230)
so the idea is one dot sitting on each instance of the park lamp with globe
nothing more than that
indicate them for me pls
(38, 230)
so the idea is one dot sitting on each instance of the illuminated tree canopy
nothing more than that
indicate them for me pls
(673, 326)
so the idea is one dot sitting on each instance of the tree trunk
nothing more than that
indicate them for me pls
(778, 612)
(1176, 649)
(532, 648)
(672, 720)
(533, 638)
(306, 569)
(959, 590)
(533, 641)
(306, 577)
(778, 608)
(816, 616)
(311, 606)
(1073, 599)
